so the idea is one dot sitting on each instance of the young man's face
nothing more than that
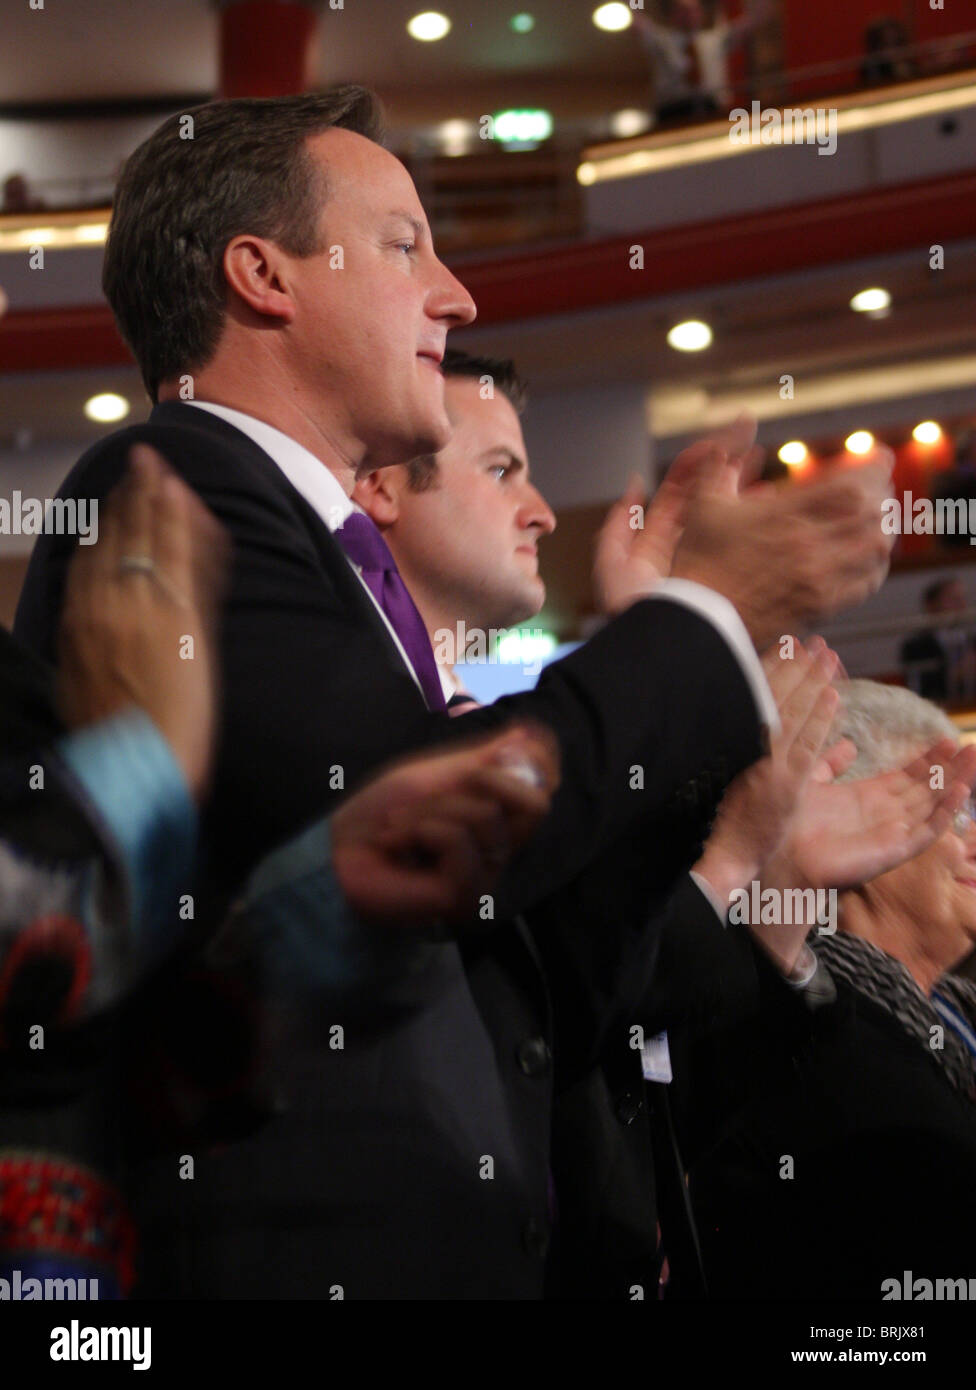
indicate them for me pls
(369, 329)
(467, 545)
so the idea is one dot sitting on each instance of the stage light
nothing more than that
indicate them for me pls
(871, 301)
(793, 454)
(612, 18)
(107, 407)
(522, 23)
(429, 26)
(928, 432)
(860, 442)
(629, 121)
(690, 336)
(523, 127)
(456, 137)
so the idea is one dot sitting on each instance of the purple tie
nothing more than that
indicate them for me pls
(360, 538)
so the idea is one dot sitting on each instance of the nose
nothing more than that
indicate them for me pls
(449, 299)
(535, 511)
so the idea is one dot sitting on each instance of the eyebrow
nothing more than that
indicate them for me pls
(398, 215)
(499, 451)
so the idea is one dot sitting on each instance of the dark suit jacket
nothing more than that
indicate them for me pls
(883, 1148)
(312, 682)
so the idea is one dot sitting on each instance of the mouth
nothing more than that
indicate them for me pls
(433, 359)
(968, 883)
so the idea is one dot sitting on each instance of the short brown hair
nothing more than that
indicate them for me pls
(422, 471)
(204, 177)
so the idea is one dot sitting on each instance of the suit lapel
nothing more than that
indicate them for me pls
(330, 553)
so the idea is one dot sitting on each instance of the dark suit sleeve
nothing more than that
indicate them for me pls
(653, 715)
(731, 1017)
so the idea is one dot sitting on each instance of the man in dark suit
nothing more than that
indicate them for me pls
(305, 318)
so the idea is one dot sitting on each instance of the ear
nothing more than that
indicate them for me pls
(255, 270)
(379, 493)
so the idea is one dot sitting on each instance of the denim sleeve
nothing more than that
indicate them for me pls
(128, 783)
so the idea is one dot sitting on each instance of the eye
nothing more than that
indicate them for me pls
(501, 469)
(406, 246)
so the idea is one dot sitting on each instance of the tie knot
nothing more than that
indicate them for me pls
(363, 542)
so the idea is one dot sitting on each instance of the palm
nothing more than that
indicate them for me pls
(848, 832)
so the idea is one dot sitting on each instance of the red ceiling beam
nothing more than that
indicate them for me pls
(586, 275)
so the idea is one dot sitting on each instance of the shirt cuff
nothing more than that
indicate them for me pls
(707, 891)
(130, 778)
(305, 933)
(716, 609)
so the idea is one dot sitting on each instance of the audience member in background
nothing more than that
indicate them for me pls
(956, 487)
(463, 526)
(97, 834)
(689, 56)
(18, 196)
(887, 53)
(862, 1134)
(940, 663)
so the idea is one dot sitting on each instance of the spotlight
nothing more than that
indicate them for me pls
(860, 442)
(690, 336)
(612, 18)
(429, 26)
(793, 454)
(522, 23)
(628, 122)
(871, 301)
(107, 407)
(928, 432)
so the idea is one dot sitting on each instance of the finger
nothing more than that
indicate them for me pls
(138, 501)
(798, 704)
(835, 761)
(811, 737)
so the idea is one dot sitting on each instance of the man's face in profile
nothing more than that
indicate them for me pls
(473, 534)
(374, 306)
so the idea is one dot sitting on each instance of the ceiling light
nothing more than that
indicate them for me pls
(690, 336)
(793, 454)
(456, 136)
(629, 121)
(429, 26)
(871, 301)
(612, 18)
(928, 432)
(860, 442)
(522, 127)
(522, 23)
(107, 407)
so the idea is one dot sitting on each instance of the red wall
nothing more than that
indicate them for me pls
(833, 31)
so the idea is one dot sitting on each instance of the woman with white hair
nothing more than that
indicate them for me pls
(850, 1171)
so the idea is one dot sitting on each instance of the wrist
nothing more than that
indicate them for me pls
(726, 871)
